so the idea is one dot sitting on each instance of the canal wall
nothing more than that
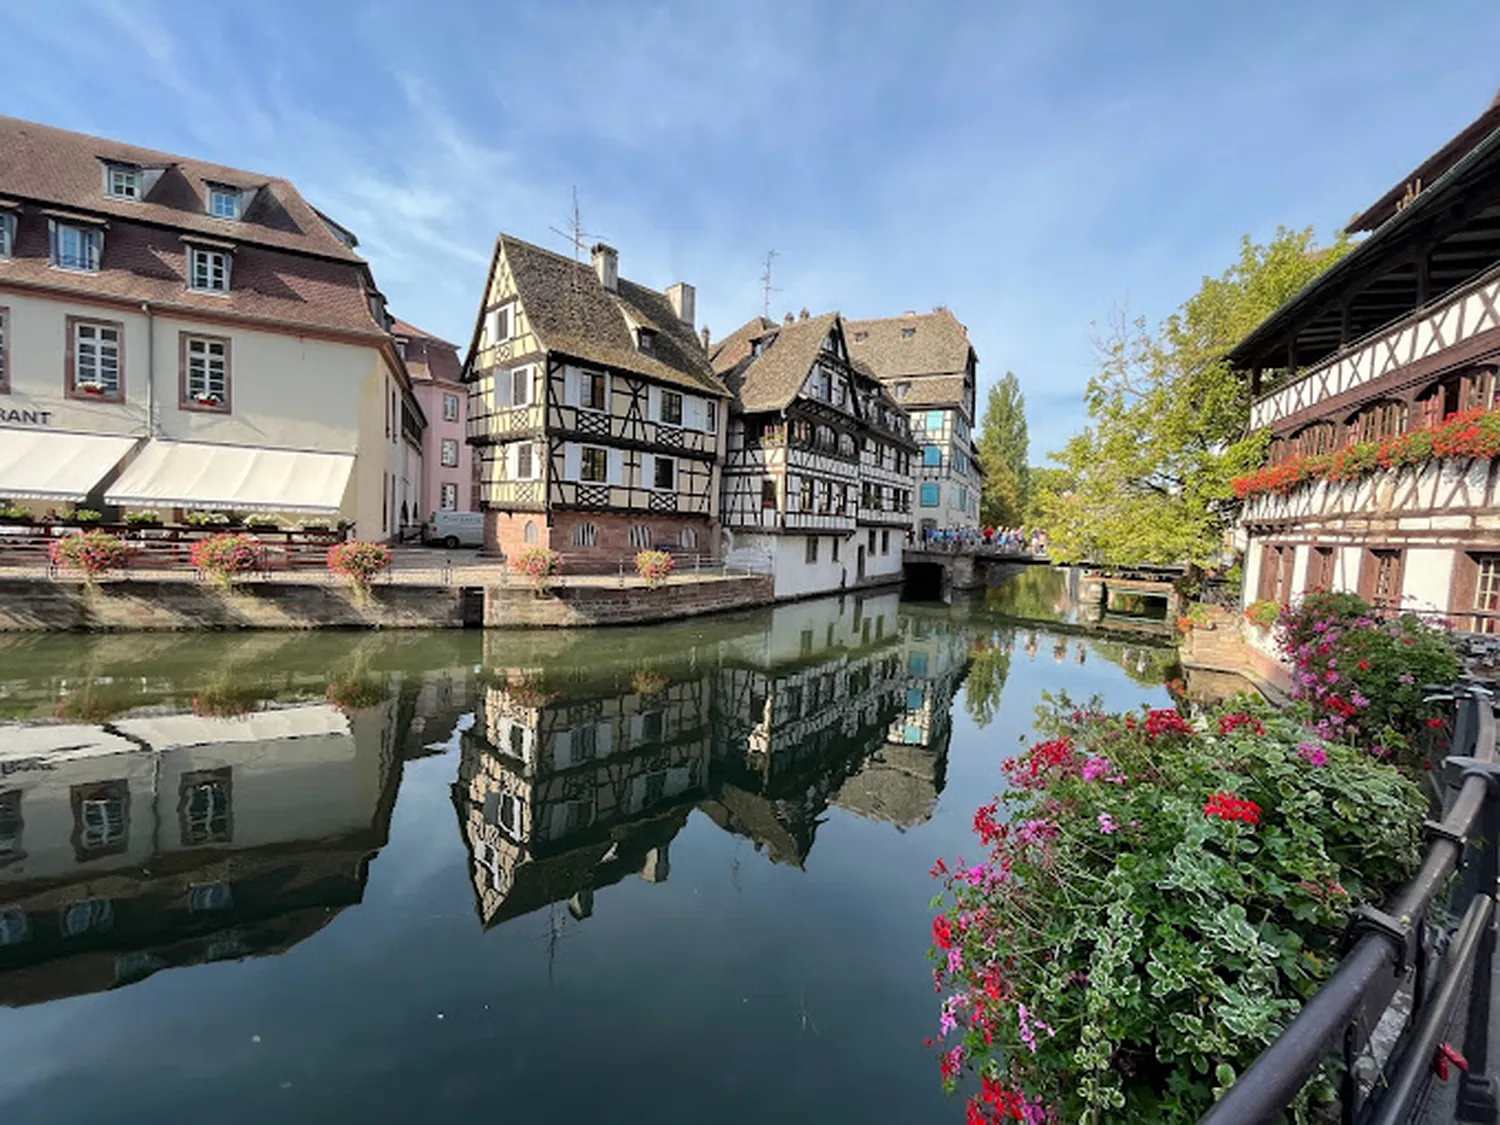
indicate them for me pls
(43, 605)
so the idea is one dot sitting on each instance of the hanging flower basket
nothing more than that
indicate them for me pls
(91, 387)
(359, 562)
(539, 566)
(221, 558)
(205, 398)
(655, 566)
(93, 553)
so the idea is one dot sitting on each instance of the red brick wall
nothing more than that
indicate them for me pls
(505, 532)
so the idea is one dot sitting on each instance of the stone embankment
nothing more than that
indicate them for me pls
(1220, 650)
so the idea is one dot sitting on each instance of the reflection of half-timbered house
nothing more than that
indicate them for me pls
(553, 791)
(817, 472)
(597, 417)
(1384, 347)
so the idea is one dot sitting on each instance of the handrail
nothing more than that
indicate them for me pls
(1271, 1083)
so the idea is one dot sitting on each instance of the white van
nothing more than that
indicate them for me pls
(454, 529)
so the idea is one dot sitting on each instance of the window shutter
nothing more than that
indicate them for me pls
(562, 749)
(648, 470)
(500, 388)
(692, 412)
(653, 395)
(616, 467)
(511, 455)
(492, 328)
(570, 462)
(570, 386)
(606, 733)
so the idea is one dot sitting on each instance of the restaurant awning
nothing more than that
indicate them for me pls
(46, 465)
(189, 474)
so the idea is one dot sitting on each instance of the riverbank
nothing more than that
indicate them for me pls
(1219, 650)
(35, 604)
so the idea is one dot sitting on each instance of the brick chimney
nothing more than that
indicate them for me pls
(607, 266)
(705, 337)
(683, 299)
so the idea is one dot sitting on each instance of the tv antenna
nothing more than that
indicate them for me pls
(765, 285)
(578, 238)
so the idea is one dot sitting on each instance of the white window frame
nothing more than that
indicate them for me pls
(450, 407)
(517, 375)
(531, 453)
(89, 251)
(448, 497)
(128, 178)
(640, 536)
(89, 337)
(711, 417)
(218, 193)
(199, 359)
(208, 269)
(585, 535)
(448, 443)
(499, 317)
(656, 463)
(7, 233)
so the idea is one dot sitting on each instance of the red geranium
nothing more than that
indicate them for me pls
(1226, 806)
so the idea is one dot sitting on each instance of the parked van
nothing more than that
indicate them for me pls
(454, 529)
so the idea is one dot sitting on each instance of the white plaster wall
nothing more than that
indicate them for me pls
(1347, 566)
(795, 577)
(1250, 590)
(1428, 572)
(1300, 558)
(879, 565)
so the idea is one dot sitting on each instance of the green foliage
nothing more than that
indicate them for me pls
(143, 519)
(15, 513)
(988, 671)
(1263, 613)
(1047, 485)
(1153, 469)
(1162, 900)
(1002, 446)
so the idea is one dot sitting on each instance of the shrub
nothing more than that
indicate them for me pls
(14, 513)
(226, 701)
(142, 519)
(539, 565)
(1263, 613)
(315, 525)
(221, 557)
(655, 566)
(206, 519)
(1363, 678)
(359, 562)
(84, 516)
(262, 521)
(92, 552)
(1163, 898)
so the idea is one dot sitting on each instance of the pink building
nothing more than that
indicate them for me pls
(447, 469)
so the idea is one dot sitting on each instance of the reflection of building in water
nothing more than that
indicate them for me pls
(166, 840)
(558, 795)
(442, 697)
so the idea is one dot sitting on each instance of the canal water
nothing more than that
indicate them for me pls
(675, 874)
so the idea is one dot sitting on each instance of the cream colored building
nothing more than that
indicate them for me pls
(180, 336)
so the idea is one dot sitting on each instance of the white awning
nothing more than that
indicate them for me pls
(43, 465)
(189, 474)
(168, 732)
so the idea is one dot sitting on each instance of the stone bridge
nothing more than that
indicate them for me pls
(941, 571)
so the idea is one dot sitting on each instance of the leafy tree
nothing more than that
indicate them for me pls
(1166, 436)
(1002, 454)
(1046, 484)
(988, 671)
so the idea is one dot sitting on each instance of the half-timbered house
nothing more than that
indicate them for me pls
(598, 419)
(1372, 486)
(818, 468)
(930, 368)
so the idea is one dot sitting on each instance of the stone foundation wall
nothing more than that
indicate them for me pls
(577, 606)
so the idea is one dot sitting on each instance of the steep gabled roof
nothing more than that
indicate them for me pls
(571, 312)
(932, 390)
(735, 347)
(770, 380)
(42, 163)
(937, 345)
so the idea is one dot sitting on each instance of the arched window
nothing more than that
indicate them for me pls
(688, 537)
(1377, 421)
(1320, 437)
(585, 535)
(640, 536)
(529, 534)
(1453, 394)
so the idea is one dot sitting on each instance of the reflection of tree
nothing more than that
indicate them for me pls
(988, 672)
(1148, 665)
(1037, 593)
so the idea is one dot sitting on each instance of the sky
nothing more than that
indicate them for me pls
(1035, 165)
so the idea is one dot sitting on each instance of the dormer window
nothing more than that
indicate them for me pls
(401, 346)
(223, 202)
(908, 333)
(208, 269)
(122, 181)
(76, 247)
(7, 233)
(858, 336)
(645, 340)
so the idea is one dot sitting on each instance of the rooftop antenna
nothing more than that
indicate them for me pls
(766, 287)
(578, 238)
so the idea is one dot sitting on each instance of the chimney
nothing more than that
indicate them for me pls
(908, 312)
(804, 314)
(788, 319)
(683, 299)
(607, 266)
(705, 337)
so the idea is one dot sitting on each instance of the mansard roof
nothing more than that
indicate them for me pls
(931, 390)
(937, 344)
(571, 312)
(429, 358)
(772, 379)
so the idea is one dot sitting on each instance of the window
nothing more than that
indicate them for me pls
(94, 359)
(671, 408)
(100, 821)
(807, 494)
(645, 340)
(15, 929)
(209, 896)
(205, 373)
(932, 457)
(688, 538)
(585, 535)
(665, 473)
(500, 325)
(529, 535)
(1320, 569)
(1276, 573)
(885, 542)
(640, 536)
(1320, 437)
(449, 453)
(520, 386)
(1468, 390)
(448, 497)
(1486, 592)
(450, 408)
(76, 248)
(934, 420)
(711, 417)
(834, 552)
(812, 549)
(805, 642)
(203, 807)
(931, 495)
(524, 461)
(122, 182)
(593, 390)
(94, 915)
(223, 203)
(593, 464)
(1382, 420)
(870, 541)
(7, 233)
(768, 495)
(1380, 577)
(4, 354)
(208, 270)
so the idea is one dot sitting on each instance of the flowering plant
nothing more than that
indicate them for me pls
(1263, 613)
(1472, 433)
(356, 693)
(1161, 898)
(1364, 678)
(221, 557)
(655, 566)
(143, 518)
(15, 513)
(262, 522)
(207, 398)
(539, 565)
(81, 516)
(359, 562)
(206, 519)
(92, 552)
(90, 387)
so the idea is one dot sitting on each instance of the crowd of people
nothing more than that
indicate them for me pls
(1014, 540)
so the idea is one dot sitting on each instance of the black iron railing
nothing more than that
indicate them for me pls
(1408, 947)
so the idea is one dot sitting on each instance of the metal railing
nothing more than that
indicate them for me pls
(1406, 946)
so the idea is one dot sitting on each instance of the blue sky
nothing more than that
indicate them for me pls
(1032, 165)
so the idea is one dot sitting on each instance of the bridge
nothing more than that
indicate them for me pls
(1101, 590)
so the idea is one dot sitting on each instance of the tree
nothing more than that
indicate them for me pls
(1045, 484)
(1152, 471)
(1002, 454)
